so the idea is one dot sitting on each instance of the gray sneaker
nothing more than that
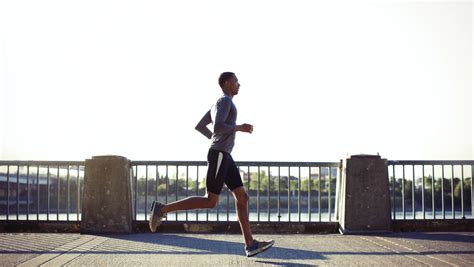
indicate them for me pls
(156, 215)
(257, 247)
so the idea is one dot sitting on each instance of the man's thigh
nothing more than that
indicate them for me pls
(215, 171)
(232, 179)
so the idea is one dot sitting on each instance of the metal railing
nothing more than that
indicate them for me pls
(278, 191)
(431, 189)
(41, 190)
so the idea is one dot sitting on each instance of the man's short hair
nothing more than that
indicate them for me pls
(225, 76)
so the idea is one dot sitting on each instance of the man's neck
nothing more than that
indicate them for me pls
(227, 93)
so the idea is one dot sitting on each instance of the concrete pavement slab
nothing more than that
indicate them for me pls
(166, 249)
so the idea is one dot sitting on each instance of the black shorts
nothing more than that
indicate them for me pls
(221, 169)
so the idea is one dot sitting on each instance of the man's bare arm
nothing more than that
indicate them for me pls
(202, 125)
(247, 128)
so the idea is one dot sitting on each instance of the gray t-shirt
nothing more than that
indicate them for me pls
(223, 116)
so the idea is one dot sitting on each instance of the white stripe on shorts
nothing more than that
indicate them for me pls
(219, 161)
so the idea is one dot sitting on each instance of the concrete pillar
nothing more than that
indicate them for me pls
(107, 196)
(364, 205)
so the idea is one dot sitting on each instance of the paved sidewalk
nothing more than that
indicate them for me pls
(397, 249)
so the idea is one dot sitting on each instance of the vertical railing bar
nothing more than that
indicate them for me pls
(176, 189)
(289, 188)
(68, 202)
(132, 188)
(58, 184)
(403, 193)
(197, 190)
(207, 210)
(279, 188)
(28, 192)
(136, 191)
(18, 192)
(137, 196)
(157, 176)
(423, 190)
(452, 191)
(338, 187)
(329, 192)
(146, 190)
(248, 190)
(309, 194)
(413, 193)
(48, 177)
(268, 191)
(78, 194)
(442, 192)
(472, 190)
(187, 185)
(319, 193)
(166, 186)
(299, 193)
(37, 192)
(432, 192)
(84, 175)
(462, 193)
(258, 193)
(176, 184)
(394, 179)
(8, 192)
(132, 173)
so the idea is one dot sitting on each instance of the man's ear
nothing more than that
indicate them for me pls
(226, 83)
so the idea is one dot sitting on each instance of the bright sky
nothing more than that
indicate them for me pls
(320, 80)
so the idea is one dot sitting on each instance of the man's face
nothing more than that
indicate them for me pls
(233, 86)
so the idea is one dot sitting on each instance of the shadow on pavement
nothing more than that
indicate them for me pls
(209, 246)
(172, 244)
(284, 263)
(449, 237)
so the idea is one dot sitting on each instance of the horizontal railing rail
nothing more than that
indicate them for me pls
(278, 191)
(41, 190)
(431, 189)
(242, 163)
(431, 162)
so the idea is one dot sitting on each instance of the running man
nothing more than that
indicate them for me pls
(221, 167)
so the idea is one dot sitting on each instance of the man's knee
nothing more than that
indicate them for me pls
(242, 198)
(211, 201)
